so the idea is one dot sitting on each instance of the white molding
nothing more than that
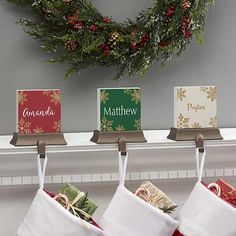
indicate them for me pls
(80, 142)
(113, 177)
(82, 161)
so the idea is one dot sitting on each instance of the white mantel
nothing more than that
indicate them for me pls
(84, 161)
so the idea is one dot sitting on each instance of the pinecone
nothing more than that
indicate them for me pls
(114, 35)
(113, 39)
(185, 5)
(77, 14)
(70, 45)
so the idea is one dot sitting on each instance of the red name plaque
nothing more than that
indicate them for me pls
(38, 111)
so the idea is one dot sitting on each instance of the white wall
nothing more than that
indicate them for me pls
(22, 66)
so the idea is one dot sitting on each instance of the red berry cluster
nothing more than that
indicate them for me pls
(136, 46)
(185, 27)
(170, 11)
(105, 48)
(76, 23)
(106, 19)
(92, 27)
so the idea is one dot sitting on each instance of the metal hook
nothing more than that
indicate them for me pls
(41, 148)
(199, 140)
(122, 146)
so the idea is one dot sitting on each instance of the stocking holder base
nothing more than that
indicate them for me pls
(32, 139)
(101, 137)
(189, 134)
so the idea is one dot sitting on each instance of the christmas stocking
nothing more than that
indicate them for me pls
(46, 217)
(128, 215)
(204, 213)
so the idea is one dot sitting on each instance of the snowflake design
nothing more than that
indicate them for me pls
(181, 94)
(213, 121)
(55, 97)
(211, 93)
(120, 128)
(106, 125)
(183, 122)
(24, 126)
(196, 125)
(104, 97)
(136, 96)
(57, 126)
(22, 97)
(204, 89)
(137, 124)
(47, 92)
(127, 91)
(38, 130)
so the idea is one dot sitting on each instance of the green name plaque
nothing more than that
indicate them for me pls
(119, 109)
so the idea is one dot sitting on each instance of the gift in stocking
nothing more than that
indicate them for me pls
(46, 217)
(128, 215)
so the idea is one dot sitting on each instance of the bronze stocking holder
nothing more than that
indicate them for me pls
(39, 140)
(189, 134)
(101, 137)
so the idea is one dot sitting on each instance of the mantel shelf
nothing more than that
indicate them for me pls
(80, 142)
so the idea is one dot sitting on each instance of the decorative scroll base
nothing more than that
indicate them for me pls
(32, 139)
(191, 133)
(100, 137)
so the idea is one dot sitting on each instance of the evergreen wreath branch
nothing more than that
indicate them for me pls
(76, 33)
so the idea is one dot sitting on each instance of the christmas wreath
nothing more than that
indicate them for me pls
(76, 33)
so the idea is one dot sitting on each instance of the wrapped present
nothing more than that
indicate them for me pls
(151, 194)
(228, 192)
(77, 202)
(224, 190)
